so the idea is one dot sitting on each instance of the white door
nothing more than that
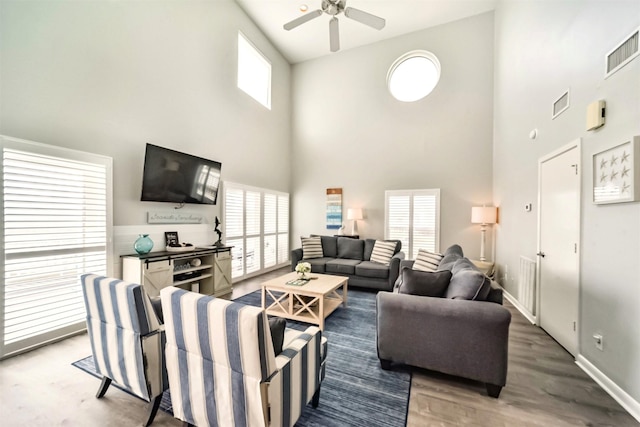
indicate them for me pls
(558, 245)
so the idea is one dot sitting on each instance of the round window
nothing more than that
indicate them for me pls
(413, 76)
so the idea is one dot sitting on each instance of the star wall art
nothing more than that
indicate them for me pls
(616, 175)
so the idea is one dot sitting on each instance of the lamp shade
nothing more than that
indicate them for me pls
(483, 214)
(354, 213)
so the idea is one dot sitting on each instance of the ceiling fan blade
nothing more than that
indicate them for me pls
(301, 20)
(364, 18)
(334, 35)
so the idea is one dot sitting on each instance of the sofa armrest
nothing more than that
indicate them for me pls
(394, 268)
(296, 257)
(459, 337)
(300, 364)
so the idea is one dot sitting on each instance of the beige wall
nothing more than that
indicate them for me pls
(541, 51)
(348, 132)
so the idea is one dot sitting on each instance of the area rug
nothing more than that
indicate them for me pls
(355, 391)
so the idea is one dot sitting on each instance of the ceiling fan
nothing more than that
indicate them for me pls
(333, 8)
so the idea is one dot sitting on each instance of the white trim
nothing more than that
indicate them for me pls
(530, 317)
(607, 73)
(630, 405)
(577, 144)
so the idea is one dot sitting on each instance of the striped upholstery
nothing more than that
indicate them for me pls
(222, 367)
(427, 261)
(311, 247)
(383, 252)
(124, 332)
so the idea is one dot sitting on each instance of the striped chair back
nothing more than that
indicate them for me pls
(124, 332)
(218, 355)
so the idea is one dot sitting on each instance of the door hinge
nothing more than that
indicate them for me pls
(574, 326)
(575, 248)
(575, 167)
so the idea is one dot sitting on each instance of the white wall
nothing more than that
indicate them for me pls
(542, 49)
(348, 132)
(109, 76)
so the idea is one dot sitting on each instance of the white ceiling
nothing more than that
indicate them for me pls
(311, 40)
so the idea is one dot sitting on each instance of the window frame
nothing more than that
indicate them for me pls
(407, 247)
(30, 147)
(256, 55)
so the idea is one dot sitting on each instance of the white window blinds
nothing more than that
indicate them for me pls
(256, 224)
(56, 226)
(413, 216)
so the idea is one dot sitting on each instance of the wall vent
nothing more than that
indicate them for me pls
(623, 53)
(560, 105)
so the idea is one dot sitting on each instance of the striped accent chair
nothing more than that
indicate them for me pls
(127, 340)
(222, 367)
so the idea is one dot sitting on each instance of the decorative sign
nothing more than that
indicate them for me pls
(334, 208)
(173, 217)
(616, 173)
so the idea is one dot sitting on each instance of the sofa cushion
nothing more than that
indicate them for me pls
(342, 266)
(311, 247)
(424, 283)
(427, 261)
(451, 255)
(383, 252)
(372, 269)
(329, 246)
(370, 243)
(350, 248)
(318, 264)
(467, 282)
(277, 325)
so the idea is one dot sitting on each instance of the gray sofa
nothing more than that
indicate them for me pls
(464, 332)
(349, 257)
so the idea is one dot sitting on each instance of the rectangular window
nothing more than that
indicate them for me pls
(413, 216)
(254, 72)
(56, 207)
(256, 224)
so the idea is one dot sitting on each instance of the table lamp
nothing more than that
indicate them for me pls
(354, 214)
(483, 215)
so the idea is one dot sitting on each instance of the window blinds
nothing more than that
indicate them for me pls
(413, 216)
(55, 227)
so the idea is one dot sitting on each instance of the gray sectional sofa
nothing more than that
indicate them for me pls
(349, 257)
(450, 321)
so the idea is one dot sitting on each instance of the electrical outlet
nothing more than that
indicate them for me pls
(599, 341)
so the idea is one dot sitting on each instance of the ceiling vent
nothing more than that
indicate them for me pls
(561, 104)
(622, 54)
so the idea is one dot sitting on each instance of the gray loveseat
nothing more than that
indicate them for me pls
(463, 332)
(348, 257)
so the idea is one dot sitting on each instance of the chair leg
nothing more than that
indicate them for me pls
(493, 390)
(104, 385)
(153, 409)
(385, 364)
(315, 401)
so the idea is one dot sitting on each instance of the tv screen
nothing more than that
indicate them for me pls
(172, 176)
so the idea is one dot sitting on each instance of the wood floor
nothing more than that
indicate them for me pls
(544, 388)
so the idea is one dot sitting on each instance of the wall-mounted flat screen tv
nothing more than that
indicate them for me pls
(172, 176)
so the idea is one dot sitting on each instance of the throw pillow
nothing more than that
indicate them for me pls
(423, 283)
(277, 326)
(311, 247)
(427, 261)
(383, 252)
(468, 282)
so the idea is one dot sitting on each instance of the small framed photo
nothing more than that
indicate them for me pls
(171, 238)
(616, 173)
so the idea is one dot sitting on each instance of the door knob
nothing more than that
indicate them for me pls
(542, 254)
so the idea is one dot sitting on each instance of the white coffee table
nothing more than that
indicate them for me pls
(322, 297)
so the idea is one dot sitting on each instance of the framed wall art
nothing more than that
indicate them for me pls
(334, 208)
(616, 173)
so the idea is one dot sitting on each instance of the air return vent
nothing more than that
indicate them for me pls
(622, 54)
(560, 105)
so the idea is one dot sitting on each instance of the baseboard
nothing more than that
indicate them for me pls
(530, 317)
(619, 395)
